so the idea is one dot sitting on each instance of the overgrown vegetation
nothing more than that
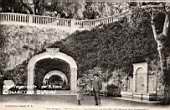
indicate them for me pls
(112, 46)
(109, 47)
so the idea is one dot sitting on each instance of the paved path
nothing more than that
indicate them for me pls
(11, 102)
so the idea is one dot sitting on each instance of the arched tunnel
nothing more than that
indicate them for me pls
(52, 74)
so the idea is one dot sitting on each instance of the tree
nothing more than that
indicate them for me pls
(39, 6)
(7, 5)
(161, 30)
(16, 6)
(26, 6)
(91, 11)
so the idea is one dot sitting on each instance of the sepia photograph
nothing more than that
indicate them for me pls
(84, 54)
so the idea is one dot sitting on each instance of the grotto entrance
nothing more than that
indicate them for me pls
(55, 80)
(52, 72)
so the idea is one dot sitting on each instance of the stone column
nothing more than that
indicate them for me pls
(134, 81)
(73, 79)
(30, 79)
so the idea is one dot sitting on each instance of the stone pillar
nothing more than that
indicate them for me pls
(73, 79)
(134, 82)
(30, 79)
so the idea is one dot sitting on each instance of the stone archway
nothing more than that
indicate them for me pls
(51, 53)
(55, 73)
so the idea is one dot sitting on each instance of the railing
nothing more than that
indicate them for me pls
(14, 17)
(53, 21)
(33, 19)
(50, 20)
(96, 22)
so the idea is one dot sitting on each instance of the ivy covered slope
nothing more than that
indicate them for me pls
(111, 46)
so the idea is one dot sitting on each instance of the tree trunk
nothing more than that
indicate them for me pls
(29, 6)
(162, 37)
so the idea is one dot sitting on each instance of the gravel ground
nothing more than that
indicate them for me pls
(17, 102)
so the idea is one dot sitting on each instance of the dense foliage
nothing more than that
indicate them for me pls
(59, 8)
(108, 47)
(17, 6)
(112, 46)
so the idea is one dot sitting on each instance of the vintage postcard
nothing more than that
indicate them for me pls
(84, 55)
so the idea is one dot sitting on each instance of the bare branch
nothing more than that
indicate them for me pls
(166, 25)
(153, 27)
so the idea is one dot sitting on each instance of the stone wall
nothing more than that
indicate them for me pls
(22, 42)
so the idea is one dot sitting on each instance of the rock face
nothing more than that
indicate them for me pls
(21, 42)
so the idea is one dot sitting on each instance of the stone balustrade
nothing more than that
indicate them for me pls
(25, 19)
(96, 22)
(13, 17)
